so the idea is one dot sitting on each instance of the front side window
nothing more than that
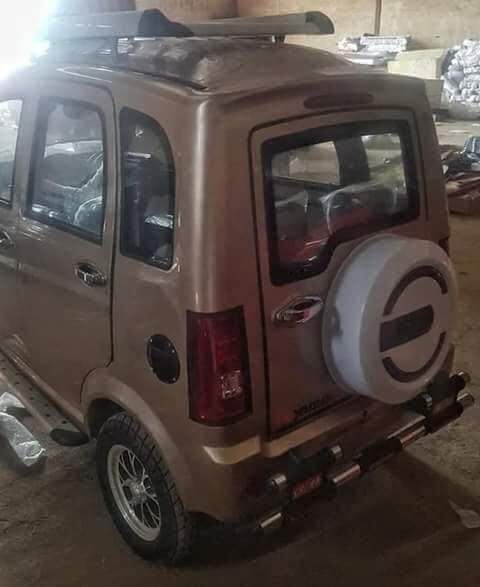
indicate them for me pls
(334, 184)
(148, 203)
(10, 112)
(68, 188)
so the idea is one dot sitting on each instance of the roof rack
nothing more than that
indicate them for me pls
(153, 23)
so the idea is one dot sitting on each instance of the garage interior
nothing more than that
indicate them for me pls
(415, 521)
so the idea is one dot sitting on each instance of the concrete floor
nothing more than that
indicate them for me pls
(395, 527)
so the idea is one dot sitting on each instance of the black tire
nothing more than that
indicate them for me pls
(174, 543)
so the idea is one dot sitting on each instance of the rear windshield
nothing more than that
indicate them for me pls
(333, 184)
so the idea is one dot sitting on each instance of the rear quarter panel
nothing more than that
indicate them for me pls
(214, 269)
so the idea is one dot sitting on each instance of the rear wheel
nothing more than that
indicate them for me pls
(140, 492)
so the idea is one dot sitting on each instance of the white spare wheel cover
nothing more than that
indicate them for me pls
(389, 318)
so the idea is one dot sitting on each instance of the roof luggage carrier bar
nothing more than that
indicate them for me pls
(153, 24)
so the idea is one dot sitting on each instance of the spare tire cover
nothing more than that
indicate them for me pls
(389, 318)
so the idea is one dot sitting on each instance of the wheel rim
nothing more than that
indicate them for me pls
(133, 492)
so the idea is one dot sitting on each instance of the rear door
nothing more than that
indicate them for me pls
(323, 185)
(65, 237)
(11, 105)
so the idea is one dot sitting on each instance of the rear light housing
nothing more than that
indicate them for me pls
(218, 367)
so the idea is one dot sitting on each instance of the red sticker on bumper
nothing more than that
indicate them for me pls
(306, 487)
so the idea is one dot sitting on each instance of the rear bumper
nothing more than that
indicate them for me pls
(255, 489)
(324, 473)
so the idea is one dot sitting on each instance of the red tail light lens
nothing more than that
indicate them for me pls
(218, 369)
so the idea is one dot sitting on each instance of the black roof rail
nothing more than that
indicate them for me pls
(302, 23)
(153, 23)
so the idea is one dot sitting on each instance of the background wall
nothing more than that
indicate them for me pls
(432, 23)
(184, 9)
(190, 9)
(85, 6)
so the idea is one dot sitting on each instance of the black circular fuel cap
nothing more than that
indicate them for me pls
(163, 358)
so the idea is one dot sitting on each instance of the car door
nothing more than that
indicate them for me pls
(65, 238)
(11, 104)
(323, 185)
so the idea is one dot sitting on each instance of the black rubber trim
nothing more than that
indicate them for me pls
(409, 376)
(320, 463)
(375, 455)
(448, 416)
(409, 279)
(69, 437)
(406, 328)
(154, 23)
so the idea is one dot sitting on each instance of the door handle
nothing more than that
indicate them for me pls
(90, 275)
(299, 311)
(6, 241)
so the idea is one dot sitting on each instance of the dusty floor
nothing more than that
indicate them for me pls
(395, 527)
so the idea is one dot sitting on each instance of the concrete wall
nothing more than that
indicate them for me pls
(432, 23)
(88, 6)
(191, 9)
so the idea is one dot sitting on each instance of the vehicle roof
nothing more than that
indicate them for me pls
(214, 65)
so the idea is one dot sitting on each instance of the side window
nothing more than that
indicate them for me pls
(148, 200)
(10, 112)
(67, 187)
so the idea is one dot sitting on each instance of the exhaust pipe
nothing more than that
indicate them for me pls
(466, 400)
(272, 523)
(411, 435)
(323, 471)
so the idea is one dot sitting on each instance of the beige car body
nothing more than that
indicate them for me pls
(86, 348)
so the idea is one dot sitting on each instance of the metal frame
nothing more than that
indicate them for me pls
(153, 23)
(307, 23)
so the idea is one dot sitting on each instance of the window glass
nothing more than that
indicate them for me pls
(148, 190)
(334, 184)
(68, 188)
(10, 112)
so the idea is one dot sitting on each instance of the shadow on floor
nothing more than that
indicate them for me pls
(407, 503)
(392, 528)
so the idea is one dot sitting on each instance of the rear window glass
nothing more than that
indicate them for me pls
(334, 184)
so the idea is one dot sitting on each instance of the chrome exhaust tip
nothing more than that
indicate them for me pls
(272, 522)
(348, 474)
(466, 400)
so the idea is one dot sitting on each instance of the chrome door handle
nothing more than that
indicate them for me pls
(6, 241)
(299, 311)
(90, 275)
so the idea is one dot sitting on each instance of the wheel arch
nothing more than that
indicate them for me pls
(104, 395)
(99, 411)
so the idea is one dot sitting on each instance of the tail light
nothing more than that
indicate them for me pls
(445, 244)
(218, 368)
